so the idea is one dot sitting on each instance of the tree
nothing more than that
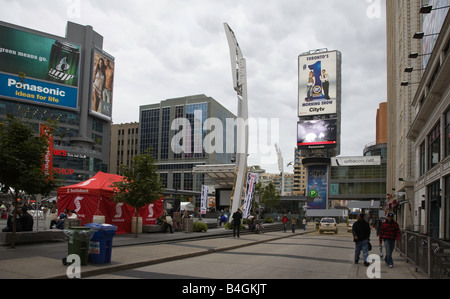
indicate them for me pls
(140, 185)
(22, 154)
(270, 196)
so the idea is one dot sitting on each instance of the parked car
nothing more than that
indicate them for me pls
(328, 224)
(350, 224)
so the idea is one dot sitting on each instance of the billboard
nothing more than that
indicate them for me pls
(38, 69)
(319, 83)
(102, 79)
(356, 161)
(317, 134)
(317, 186)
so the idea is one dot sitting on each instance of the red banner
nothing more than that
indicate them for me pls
(47, 167)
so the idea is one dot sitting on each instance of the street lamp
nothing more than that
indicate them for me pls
(421, 35)
(411, 69)
(414, 55)
(426, 9)
(406, 83)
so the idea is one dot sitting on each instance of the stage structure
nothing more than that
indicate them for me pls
(239, 73)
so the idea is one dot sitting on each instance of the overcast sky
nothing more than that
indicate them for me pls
(174, 48)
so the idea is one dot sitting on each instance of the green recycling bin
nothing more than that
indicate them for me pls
(78, 242)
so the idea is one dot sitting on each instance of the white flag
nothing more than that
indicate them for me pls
(204, 199)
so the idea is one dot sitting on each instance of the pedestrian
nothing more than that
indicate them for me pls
(237, 216)
(293, 223)
(285, 220)
(389, 232)
(166, 222)
(222, 219)
(10, 221)
(59, 222)
(27, 220)
(304, 224)
(361, 236)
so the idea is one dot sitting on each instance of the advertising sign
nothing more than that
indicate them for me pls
(102, 84)
(317, 186)
(252, 179)
(38, 69)
(47, 167)
(317, 134)
(356, 161)
(319, 77)
(204, 199)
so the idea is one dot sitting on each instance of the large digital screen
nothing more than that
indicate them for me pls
(318, 186)
(317, 134)
(38, 69)
(319, 79)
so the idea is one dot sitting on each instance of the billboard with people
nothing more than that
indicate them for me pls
(319, 83)
(102, 84)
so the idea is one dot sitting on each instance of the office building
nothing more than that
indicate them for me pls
(57, 82)
(419, 102)
(429, 131)
(176, 132)
(124, 145)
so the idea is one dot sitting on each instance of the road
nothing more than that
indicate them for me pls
(309, 256)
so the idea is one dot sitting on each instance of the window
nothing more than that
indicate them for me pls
(422, 159)
(188, 181)
(177, 181)
(434, 145)
(447, 133)
(163, 178)
(150, 131)
(165, 132)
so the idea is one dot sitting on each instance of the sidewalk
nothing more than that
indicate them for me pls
(401, 269)
(45, 260)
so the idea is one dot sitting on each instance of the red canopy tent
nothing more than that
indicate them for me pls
(93, 197)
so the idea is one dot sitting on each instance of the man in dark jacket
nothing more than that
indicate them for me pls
(27, 220)
(389, 232)
(361, 235)
(237, 216)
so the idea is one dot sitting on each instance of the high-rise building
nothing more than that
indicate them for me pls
(429, 131)
(418, 39)
(402, 21)
(299, 183)
(176, 132)
(68, 80)
(124, 145)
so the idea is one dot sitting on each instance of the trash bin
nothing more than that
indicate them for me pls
(188, 225)
(100, 246)
(78, 242)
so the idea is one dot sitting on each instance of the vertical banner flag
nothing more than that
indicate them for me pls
(47, 167)
(252, 178)
(204, 199)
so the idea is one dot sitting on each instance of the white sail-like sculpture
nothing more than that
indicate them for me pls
(239, 72)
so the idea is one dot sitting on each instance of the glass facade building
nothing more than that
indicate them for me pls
(174, 130)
